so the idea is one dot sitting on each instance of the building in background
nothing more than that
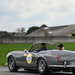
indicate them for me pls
(4, 33)
(12, 34)
(66, 30)
(20, 34)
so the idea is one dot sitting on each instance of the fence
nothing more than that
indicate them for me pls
(15, 40)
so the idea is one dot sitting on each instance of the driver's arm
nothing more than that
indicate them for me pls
(38, 50)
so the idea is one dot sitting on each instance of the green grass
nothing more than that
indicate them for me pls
(69, 46)
(6, 48)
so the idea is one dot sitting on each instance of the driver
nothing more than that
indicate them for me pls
(43, 47)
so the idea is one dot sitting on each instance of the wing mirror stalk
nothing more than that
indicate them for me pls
(25, 51)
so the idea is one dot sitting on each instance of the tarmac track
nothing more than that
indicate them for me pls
(5, 71)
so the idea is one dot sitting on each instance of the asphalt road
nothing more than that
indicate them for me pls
(5, 71)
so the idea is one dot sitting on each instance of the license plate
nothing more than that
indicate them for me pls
(71, 63)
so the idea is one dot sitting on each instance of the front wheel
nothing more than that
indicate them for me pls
(42, 66)
(12, 65)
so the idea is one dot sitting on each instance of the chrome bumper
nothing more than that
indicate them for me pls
(62, 66)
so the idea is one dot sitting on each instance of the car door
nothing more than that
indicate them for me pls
(27, 59)
(31, 59)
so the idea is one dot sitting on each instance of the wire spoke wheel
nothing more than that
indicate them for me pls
(12, 65)
(42, 67)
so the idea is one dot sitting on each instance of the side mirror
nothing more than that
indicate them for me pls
(25, 51)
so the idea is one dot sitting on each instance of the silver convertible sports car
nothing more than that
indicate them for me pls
(50, 59)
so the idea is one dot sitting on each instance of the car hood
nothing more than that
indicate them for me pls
(14, 53)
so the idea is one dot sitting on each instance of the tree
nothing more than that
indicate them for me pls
(44, 25)
(18, 30)
(22, 29)
(31, 29)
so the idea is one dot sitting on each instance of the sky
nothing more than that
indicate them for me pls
(27, 13)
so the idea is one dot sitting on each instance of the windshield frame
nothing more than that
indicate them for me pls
(34, 44)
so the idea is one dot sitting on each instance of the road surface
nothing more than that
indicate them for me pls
(5, 71)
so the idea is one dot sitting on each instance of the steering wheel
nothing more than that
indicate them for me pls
(36, 47)
(34, 50)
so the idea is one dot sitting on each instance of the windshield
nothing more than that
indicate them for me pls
(48, 46)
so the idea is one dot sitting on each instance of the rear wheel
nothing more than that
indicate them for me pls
(12, 65)
(42, 66)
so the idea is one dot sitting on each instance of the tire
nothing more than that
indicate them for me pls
(73, 71)
(42, 66)
(12, 65)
